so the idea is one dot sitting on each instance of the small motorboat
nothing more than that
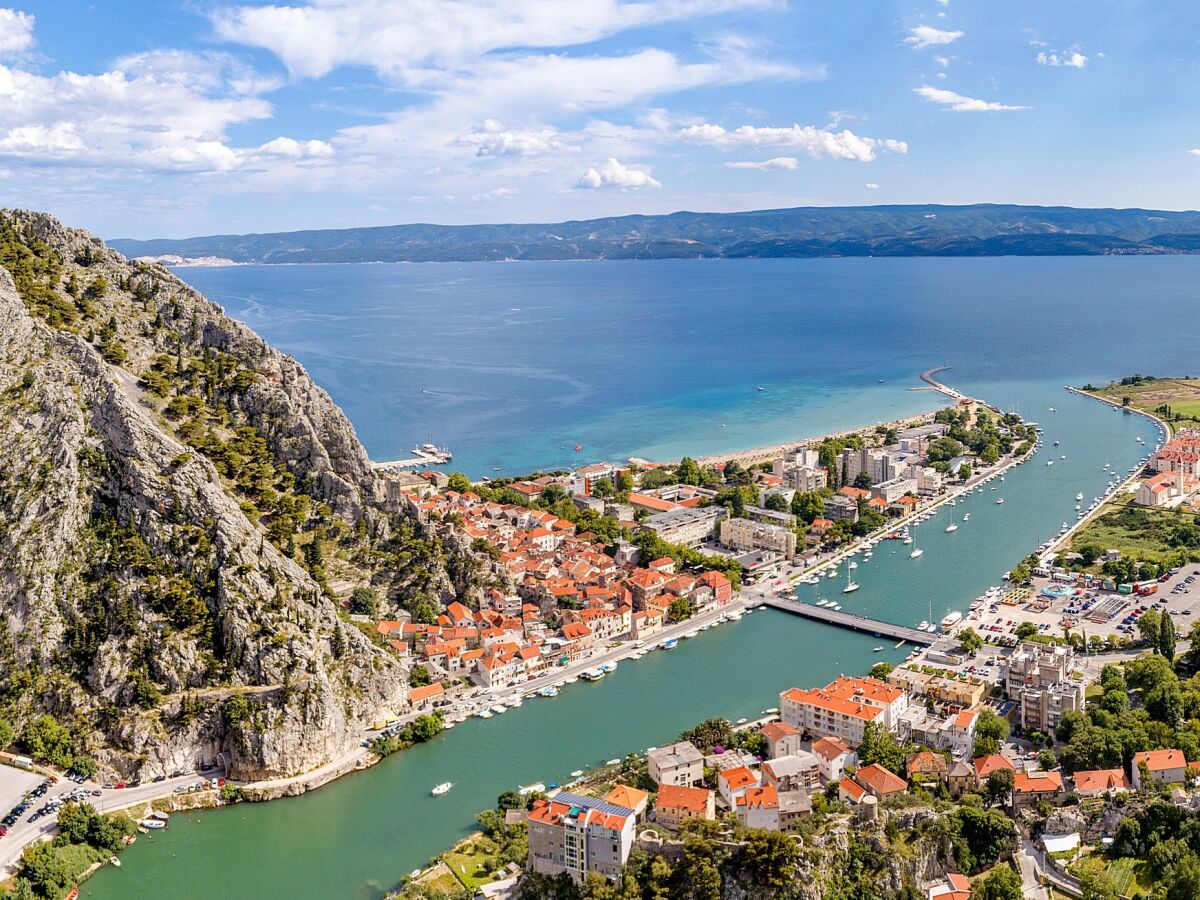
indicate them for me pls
(442, 788)
(114, 861)
(999, 500)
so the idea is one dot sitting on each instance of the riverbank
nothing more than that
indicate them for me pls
(1105, 504)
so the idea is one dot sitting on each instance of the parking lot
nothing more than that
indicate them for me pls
(14, 784)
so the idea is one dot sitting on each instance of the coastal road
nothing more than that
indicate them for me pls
(25, 832)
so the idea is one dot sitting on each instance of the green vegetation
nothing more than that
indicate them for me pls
(49, 870)
(1151, 540)
(421, 729)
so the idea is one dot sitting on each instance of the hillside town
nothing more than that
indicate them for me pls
(609, 556)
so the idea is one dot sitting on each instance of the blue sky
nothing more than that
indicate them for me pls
(145, 119)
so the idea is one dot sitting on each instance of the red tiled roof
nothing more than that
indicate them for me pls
(693, 799)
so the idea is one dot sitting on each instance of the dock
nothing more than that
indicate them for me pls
(421, 459)
(851, 621)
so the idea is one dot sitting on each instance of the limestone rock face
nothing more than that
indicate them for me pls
(144, 604)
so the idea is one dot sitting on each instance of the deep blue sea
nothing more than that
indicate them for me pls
(513, 365)
(523, 361)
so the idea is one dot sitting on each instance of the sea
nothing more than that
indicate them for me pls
(514, 365)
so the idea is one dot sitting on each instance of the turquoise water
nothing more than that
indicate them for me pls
(514, 365)
(1014, 330)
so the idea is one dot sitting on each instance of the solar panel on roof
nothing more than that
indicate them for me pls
(602, 806)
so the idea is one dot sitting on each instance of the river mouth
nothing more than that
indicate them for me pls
(358, 836)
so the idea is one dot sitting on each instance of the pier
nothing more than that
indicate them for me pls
(851, 621)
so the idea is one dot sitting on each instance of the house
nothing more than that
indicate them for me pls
(927, 766)
(1099, 782)
(758, 807)
(960, 778)
(424, 697)
(678, 803)
(680, 764)
(879, 781)
(1164, 766)
(789, 773)
(986, 765)
(955, 887)
(733, 783)
(851, 791)
(833, 756)
(782, 739)
(843, 708)
(579, 835)
(630, 798)
(793, 807)
(1030, 787)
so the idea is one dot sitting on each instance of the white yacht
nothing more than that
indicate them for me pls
(442, 788)
(952, 527)
(853, 565)
(917, 551)
(999, 499)
(851, 586)
(1079, 497)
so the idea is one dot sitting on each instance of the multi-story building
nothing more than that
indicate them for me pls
(680, 764)
(789, 773)
(1037, 676)
(677, 803)
(894, 488)
(687, 526)
(743, 534)
(833, 758)
(806, 478)
(1042, 708)
(758, 807)
(579, 835)
(844, 707)
(839, 508)
(1164, 766)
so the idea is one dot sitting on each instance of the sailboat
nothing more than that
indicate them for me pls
(916, 551)
(952, 527)
(851, 585)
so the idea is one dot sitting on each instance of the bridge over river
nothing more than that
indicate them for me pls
(851, 621)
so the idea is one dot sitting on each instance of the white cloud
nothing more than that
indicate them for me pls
(779, 162)
(406, 41)
(208, 71)
(132, 123)
(816, 142)
(1195, 152)
(493, 139)
(615, 175)
(289, 148)
(871, 186)
(959, 103)
(16, 32)
(1069, 58)
(927, 36)
(943, 61)
(495, 194)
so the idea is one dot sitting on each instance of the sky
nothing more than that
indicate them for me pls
(173, 118)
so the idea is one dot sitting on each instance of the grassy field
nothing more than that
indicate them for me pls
(1127, 876)
(473, 861)
(1139, 531)
(1180, 395)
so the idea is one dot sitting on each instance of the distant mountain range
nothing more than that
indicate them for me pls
(926, 230)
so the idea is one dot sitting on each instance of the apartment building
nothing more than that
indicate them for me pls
(744, 534)
(579, 835)
(687, 526)
(679, 764)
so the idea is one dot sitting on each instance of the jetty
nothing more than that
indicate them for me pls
(941, 388)
(851, 621)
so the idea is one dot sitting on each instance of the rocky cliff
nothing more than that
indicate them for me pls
(175, 498)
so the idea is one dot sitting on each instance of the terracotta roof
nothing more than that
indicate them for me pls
(986, 765)
(853, 788)
(773, 731)
(829, 748)
(426, 692)
(879, 780)
(926, 763)
(1037, 783)
(737, 778)
(760, 798)
(1101, 780)
(629, 797)
(1160, 760)
(693, 799)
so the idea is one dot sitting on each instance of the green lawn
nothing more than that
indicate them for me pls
(474, 861)
(1126, 875)
(1182, 395)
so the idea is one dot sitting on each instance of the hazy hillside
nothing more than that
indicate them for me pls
(929, 230)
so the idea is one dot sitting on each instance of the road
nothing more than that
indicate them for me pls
(1031, 885)
(25, 832)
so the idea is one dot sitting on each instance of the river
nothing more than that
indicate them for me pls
(357, 837)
